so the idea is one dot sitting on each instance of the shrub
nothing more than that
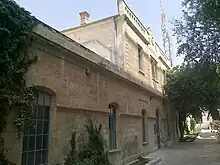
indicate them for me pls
(93, 152)
(192, 125)
(15, 27)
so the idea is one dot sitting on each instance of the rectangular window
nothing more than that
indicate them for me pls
(112, 127)
(35, 139)
(164, 77)
(154, 68)
(140, 58)
(144, 127)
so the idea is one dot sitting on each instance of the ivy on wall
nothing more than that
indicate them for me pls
(15, 27)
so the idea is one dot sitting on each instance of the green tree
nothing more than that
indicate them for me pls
(192, 90)
(176, 89)
(198, 41)
(208, 11)
(15, 27)
(192, 125)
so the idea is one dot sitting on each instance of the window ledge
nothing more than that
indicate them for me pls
(115, 150)
(141, 72)
(145, 143)
(155, 80)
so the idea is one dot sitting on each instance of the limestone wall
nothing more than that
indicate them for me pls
(82, 91)
(102, 31)
(131, 64)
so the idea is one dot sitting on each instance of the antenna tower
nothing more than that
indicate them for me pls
(165, 35)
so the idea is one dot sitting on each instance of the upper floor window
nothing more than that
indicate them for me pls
(140, 58)
(154, 68)
(164, 76)
(35, 139)
(112, 127)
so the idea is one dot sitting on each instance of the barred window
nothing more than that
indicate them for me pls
(144, 127)
(35, 139)
(112, 127)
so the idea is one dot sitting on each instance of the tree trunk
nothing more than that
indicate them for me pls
(182, 124)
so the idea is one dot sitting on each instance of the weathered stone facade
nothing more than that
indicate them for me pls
(82, 85)
(124, 34)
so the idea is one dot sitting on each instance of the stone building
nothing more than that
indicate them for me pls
(76, 84)
(124, 40)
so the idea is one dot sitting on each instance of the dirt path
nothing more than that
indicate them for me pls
(204, 151)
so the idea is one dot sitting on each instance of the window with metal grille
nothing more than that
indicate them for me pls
(35, 139)
(112, 127)
(144, 128)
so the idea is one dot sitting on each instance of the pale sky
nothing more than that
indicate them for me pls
(63, 14)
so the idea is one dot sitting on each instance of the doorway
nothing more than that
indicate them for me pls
(158, 129)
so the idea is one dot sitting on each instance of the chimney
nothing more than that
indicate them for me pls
(84, 17)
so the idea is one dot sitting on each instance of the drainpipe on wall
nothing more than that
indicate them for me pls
(119, 40)
(120, 6)
(115, 43)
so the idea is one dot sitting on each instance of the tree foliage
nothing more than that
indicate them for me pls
(192, 90)
(15, 26)
(195, 86)
(93, 152)
(198, 41)
(192, 125)
(209, 11)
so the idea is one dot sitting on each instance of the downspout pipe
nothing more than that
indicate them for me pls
(115, 42)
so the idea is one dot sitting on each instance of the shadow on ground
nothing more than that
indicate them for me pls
(204, 151)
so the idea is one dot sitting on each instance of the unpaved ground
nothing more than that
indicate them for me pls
(204, 151)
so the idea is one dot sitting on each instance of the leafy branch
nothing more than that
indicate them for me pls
(15, 27)
(93, 152)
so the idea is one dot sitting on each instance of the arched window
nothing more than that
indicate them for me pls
(35, 139)
(112, 126)
(144, 127)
